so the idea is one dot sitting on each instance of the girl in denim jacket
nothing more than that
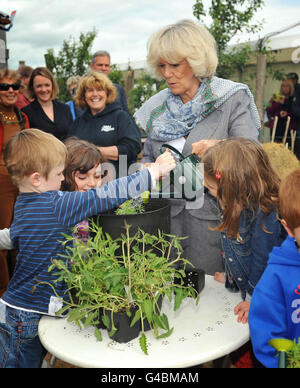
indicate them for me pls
(237, 172)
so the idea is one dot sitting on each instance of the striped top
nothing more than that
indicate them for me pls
(36, 232)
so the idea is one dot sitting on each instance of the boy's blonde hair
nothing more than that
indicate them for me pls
(289, 196)
(31, 151)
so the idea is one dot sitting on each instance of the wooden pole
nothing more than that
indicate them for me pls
(274, 128)
(261, 67)
(293, 139)
(286, 129)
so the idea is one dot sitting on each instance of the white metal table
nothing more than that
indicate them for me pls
(201, 333)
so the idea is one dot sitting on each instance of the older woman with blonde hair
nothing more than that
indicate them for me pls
(196, 111)
(104, 123)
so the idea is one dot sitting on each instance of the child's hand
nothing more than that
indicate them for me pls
(163, 164)
(242, 310)
(201, 146)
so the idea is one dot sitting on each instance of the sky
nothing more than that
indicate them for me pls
(123, 26)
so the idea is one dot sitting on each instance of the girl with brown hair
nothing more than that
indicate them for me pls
(83, 172)
(237, 172)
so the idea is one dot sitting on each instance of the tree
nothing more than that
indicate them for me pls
(228, 18)
(73, 59)
(143, 89)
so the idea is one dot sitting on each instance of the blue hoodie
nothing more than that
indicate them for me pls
(275, 304)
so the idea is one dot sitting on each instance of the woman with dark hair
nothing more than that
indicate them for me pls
(12, 120)
(45, 112)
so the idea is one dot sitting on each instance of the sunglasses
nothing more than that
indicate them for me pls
(7, 86)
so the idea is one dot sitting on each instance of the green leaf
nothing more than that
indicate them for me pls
(178, 298)
(75, 315)
(136, 317)
(148, 309)
(167, 334)
(143, 343)
(98, 334)
(161, 321)
(105, 320)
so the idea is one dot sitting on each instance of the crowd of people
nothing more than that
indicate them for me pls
(244, 224)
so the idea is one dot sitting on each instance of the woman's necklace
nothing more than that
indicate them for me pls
(9, 118)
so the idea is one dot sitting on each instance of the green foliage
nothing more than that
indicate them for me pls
(294, 356)
(116, 75)
(72, 59)
(130, 207)
(144, 88)
(99, 278)
(229, 17)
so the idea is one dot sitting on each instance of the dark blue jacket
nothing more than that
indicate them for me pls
(111, 127)
(246, 257)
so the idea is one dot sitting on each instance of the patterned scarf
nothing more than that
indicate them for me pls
(164, 117)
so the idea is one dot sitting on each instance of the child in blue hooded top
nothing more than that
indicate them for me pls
(275, 304)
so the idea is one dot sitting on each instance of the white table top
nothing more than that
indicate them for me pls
(201, 333)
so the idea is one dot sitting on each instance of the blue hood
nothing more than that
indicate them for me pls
(286, 254)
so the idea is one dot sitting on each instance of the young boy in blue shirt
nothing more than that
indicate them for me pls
(36, 161)
(275, 305)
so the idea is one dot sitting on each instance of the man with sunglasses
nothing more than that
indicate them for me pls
(12, 120)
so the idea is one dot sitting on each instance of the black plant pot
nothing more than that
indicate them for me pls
(124, 332)
(157, 216)
(193, 277)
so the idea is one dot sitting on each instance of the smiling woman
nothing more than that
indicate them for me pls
(104, 123)
(45, 112)
(11, 121)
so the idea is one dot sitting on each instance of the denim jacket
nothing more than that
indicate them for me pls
(246, 257)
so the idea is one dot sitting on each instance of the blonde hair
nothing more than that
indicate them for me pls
(289, 194)
(244, 178)
(44, 72)
(94, 79)
(291, 85)
(12, 75)
(74, 79)
(184, 40)
(32, 150)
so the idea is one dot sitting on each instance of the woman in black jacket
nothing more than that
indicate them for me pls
(104, 123)
(45, 112)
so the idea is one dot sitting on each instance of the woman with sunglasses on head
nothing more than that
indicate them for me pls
(45, 112)
(12, 120)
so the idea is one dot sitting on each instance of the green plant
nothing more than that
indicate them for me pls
(116, 275)
(131, 206)
(293, 355)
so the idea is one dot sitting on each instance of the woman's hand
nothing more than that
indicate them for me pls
(242, 311)
(201, 146)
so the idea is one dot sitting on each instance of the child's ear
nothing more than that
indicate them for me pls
(289, 231)
(35, 179)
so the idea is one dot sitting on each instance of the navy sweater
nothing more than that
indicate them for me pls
(111, 127)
